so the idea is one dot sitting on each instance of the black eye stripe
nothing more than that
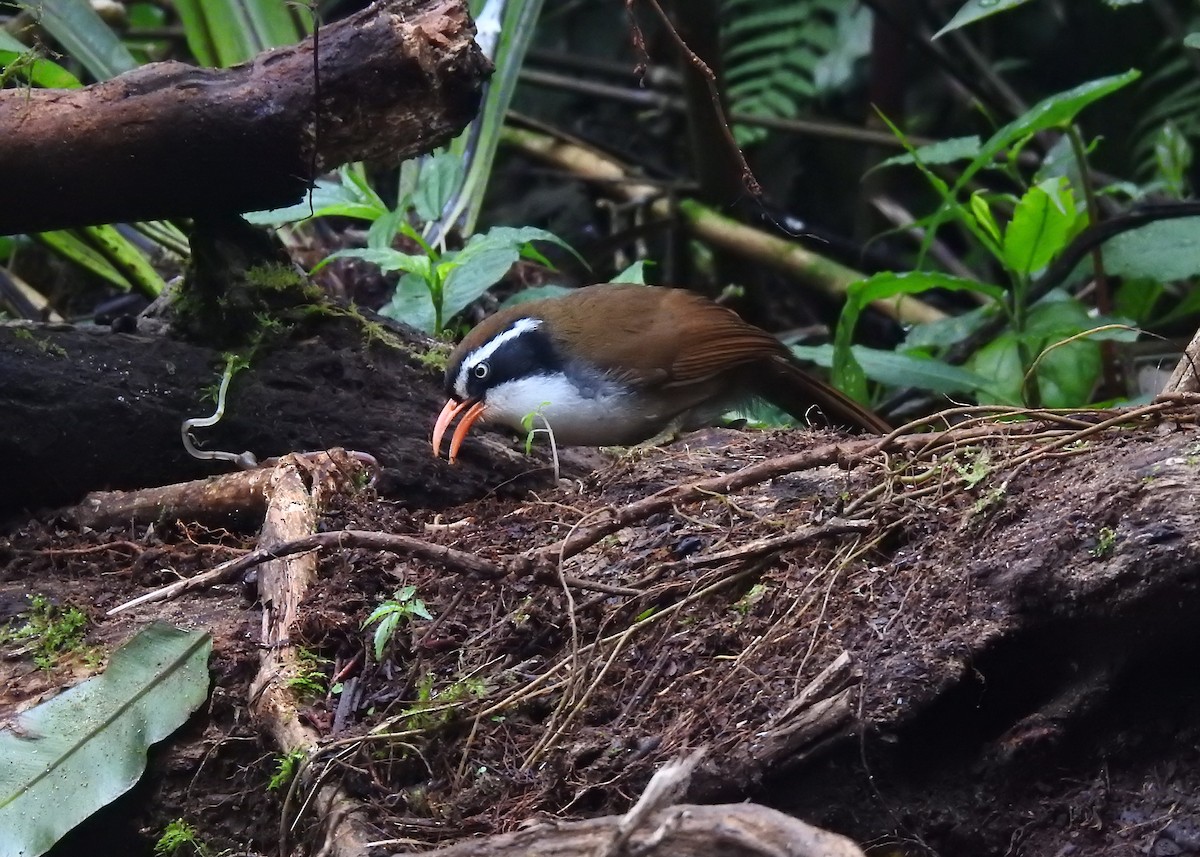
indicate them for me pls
(530, 353)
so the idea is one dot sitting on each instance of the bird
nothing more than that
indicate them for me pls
(617, 364)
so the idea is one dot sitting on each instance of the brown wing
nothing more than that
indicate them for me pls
(661, 337)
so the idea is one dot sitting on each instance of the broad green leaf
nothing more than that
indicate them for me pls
(474, 274)
(946, 331)
(1055, 111)
(941, 152)
(37, 70)
(1067, 375)
(1136, 298)
(329, 199)
(521, 235)
(1163, 250)
(635, 273)
(1191, 40)
(1043, 222)
(847, 374)
(536, 293)
(440, 176)
(1186, 307)
(1000, 362)
(975, 10)
(384, 229)
(900, 370)
(81, 750)
(386, 258)
(412, 304)
(84, 35)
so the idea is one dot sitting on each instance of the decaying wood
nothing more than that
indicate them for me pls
(170, 140)
(216, 501)
(689, 830)
(292, 512)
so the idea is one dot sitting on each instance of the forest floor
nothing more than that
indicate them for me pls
(1019, 625)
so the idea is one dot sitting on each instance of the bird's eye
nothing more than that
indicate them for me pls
(481, 370)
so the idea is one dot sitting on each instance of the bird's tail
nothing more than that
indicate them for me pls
(787, 385)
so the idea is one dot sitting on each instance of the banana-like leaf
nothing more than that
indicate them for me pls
(506, 30)
(84, 35)
(226, 32)
(70, 756)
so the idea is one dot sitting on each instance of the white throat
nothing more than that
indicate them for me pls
(553, 400)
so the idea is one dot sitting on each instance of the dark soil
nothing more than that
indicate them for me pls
(1022, 638)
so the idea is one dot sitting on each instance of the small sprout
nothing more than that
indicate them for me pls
(1106, 540)
(546, 428)
(403, 605)
(752, 597)
(179, 836)
(286, 768)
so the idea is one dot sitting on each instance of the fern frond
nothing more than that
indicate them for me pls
(772, 51)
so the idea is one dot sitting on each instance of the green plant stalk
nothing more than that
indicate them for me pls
(478, 144)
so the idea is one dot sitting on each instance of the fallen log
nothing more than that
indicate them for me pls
(170, 140)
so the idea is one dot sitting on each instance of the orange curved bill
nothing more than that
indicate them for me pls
(460, 433)
(449, 411)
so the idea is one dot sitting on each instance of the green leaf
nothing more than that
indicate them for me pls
(847, 374)
(535, 293)
(384, 229)
(386, 258)
(1136, 298)
(412, 304)
(125, 257)
(474, 274)
(68, 245)
(635, 273)
(440, 175)
(941, 152)
(505, 30)
(1055, 111)
(1191, 40)
(82, 749)
(83, 35)
(1000, 362)
(976, 10)
(1173, 157)
(1067, 375)
(37, 70)
(342, 198)
(1163, 250)
(1042, 224)
(944, 332)
(521, 235)
(226, 32)
(900, 370)
(983, 216)
(384, 630)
